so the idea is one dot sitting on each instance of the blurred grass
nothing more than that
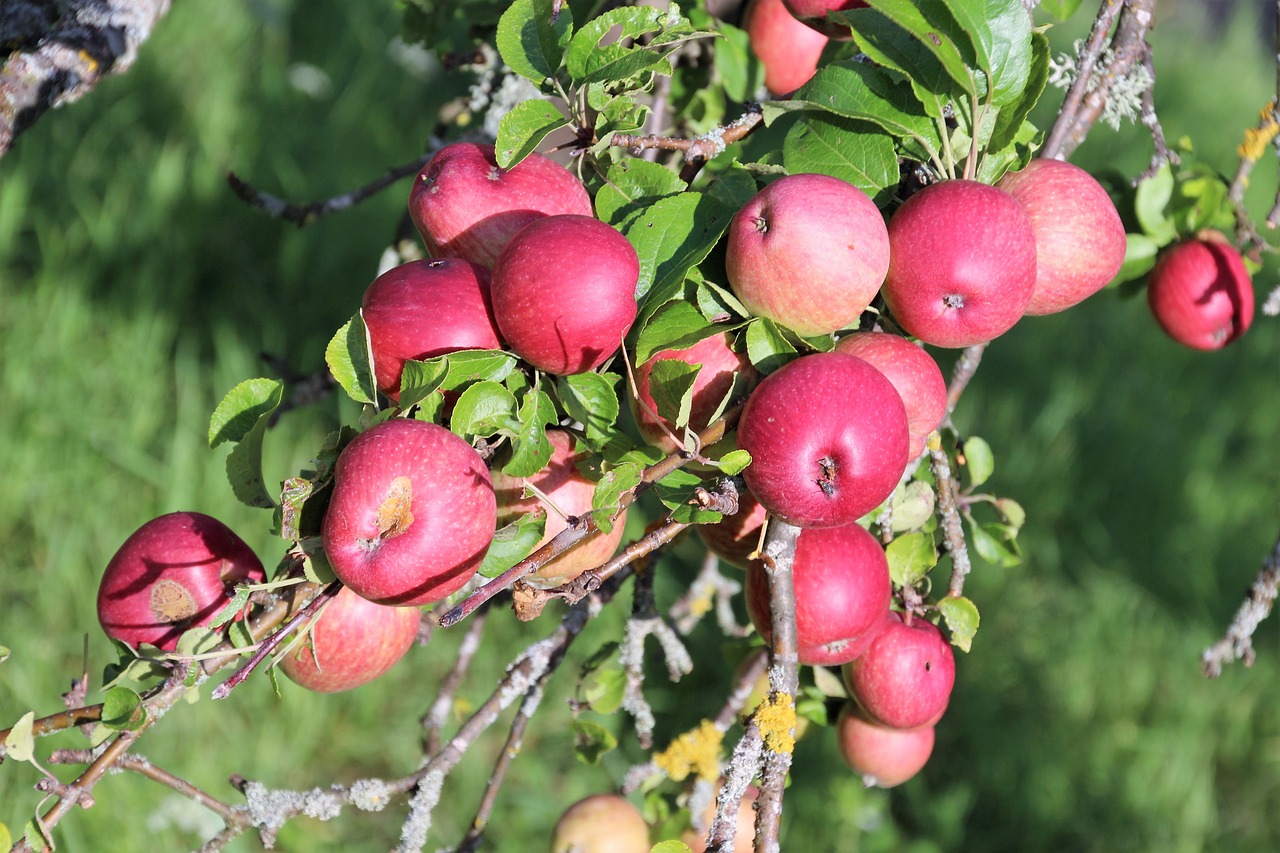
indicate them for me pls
(135, 290)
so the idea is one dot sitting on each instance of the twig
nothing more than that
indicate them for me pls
(1237, 644)
(699, 149)
(434, 720)
(948, 509)
(709, 590)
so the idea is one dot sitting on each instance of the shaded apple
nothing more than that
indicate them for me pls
(564, 293)
(788, 49)
(175, 572)
(1080, 241)
(913, 373)
(570, 492)
(411, 515)
(423, 309)
(904, 679)
(601, 823)
(735, 537)
(962, 263)
(466, 206)
(813, 13)
(791, 259)
(884, 757)
(352, 642)
(744, 836)
(827, 434)
(1200, 293)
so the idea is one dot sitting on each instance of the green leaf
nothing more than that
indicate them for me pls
(36, 837)
(348, 358)
(829, 683)
(979, 459)
(671, 384)
(522, 130)
(912, 506)
(911, 556)
(1012, 513)
(234, 606)
(418, 379)
(530, 42)
(937, 37)
(483, 409)
(1000, 31)
(631, 184)
(5, 652)
(767, 348)
(673, 234)
(242, 408)
(1140, 252)
(122, 710)
(588, 61)
(670, 847)
(845, 149)
(512, 543)
(474, 365)
(530, 448)
(961, 616)
(736, 65)
(1011, 119)
(887, 44)
(734, 462)
(607, 498)
(20, 744)
(294, 493)
(718, 304)
(603, 682)
(591, 741)
(590, 399)
(676, 325)
(6, 840)
(993, 543)
(1061, 9)
(1149, 203)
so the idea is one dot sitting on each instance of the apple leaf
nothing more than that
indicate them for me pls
(1149, 203)
(734, 462)
(979, 460)
(961, 616)
(631, 184)
(829, 683)
(911, 556)
(591, 741)
(1000, 31)
(6, 840)
(465, 367)
(1014, 115)
(512, 543)
(676, 325)
(243, 417)
(1140, 253)
(671, 384)
(590, 399)
(588, 61)
(912, 506)
(20, 744)
(1012, 512)
(741, 73)
(602, 681)
(5, 652)
(843, 148)
(718, 304)
(530, 447)
(522, 130)
(994, 543)
(483, 409)
(421, 378)
(670, 847)
(122, 710)
(531, 40)
(673, 234)
(1061, 9)
(767, 348)
(347, 356)
(940, 37)
(606, 501)
(888, 45)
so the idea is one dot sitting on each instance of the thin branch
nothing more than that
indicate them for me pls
(433, 722)
(699, 149)
(948, 510)
(1237, 643)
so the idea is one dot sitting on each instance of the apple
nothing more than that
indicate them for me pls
(411, 515)
(735, 538)
(564, 293)
(842, 592)
(423, 309)
(827, 434)
(1080, 241)
(913, 373)
(601, 823)
(569, 492)
(788, 49)
(808, 251)
(720, 367)
(884, 757)
(744, 836)
(1200, 293)
(466, 206)
(175, 572)
(352, 642)
(814, 14)
(962, 263)
(904, 679)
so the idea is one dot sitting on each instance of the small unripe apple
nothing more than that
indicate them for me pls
(884, 757)
(1201, 294)
(842, 592)
(175, 572)
(735, 538)
(962, 263)
(913, 373)
(466, 206)
(814, 14)
(601, 823)
(352, 642)
(904, 679)
(423, 309)
(564, 293)
(809, 251)
(827, 434)
(570, 492)
(411, 515)
(788, 49)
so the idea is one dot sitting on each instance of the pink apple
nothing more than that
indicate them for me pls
(1080, 240)
(788, 49)
(570, 493)
(913, 373)
(720, 366)
(412, 513)
(735, 537)
(175, 572)
(1201, 294)
(827, 434)
(423, 309)
(601, 823)
(962, 263)
(884, 757)
(814, 14)
(352, 642)
(904, 679)
(842, 591)
(564, 293)
(466, 206)
(809, 251)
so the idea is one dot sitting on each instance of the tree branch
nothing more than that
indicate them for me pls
(1237, 644)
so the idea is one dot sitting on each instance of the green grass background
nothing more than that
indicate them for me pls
(135, 290)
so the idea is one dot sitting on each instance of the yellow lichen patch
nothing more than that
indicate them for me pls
(776, 719)
(701, 605)
(1256, 139)
(696, 752)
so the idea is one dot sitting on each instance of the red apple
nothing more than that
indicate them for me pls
(904, 679)
(1080, 240)
(827, 434)
(735, 537)
(913, 373)
(602, 823)
(842, 591)
(814, 14)
(175, 572)
(352, 642)
(744, 836)
(564, 293)
(788, 49)
(423, 309)
(466, 206)
(962, 263)
(1201, 294)
(411, 515)
(720, 366)
(884, 757)
(809, 251)
(570, 492)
